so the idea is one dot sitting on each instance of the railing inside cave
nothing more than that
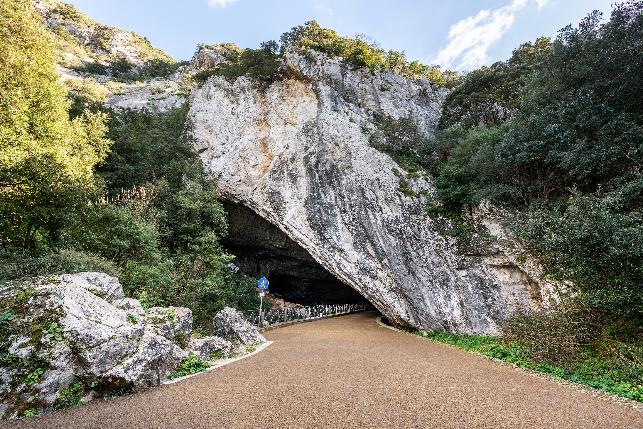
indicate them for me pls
(274, 317)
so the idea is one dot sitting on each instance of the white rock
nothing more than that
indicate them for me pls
(299, 155)
(149, 366)
(173, 323)
(230, 324)
(204, 347)
(130, 306)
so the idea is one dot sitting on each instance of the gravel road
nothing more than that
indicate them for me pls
(349, 372)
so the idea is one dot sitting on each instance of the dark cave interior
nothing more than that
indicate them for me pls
(262, 249)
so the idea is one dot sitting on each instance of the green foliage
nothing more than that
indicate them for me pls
(132, 318)
(163, 224)
(20, 265)
(216, 355)
(361, 52)
(487, 96)
(401, 139)
(114, 233)
(190, 365)
(31, 412)
(261, 65)
(147, 147)
(122, 70)
(578, 124)
(71, 396)
(569, 159)
(34, 376)
(46, 160)
(610, 372)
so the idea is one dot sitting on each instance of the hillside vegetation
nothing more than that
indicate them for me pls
(93, 189)
(555, 136)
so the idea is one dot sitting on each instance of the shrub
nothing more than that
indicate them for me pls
(556, 337)
(190, 365)
(591, 242)
(22, 265)
(71, 396)
(261, 65)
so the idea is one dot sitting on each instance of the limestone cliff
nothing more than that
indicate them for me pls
(298, 154)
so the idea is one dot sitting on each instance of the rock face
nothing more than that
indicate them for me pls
(298, 155)
(76, 333)
(230, 323)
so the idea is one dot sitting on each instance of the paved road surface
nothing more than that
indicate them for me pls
(349, 372)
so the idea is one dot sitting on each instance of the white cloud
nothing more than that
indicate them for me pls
(471, 37)
(542, 3)
(220, 3)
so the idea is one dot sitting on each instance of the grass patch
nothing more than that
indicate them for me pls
(598, 372)
(71, 396)
(190, 365)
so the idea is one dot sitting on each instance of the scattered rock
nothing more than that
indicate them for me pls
(209, 347)
(230, 323)
(76, 332)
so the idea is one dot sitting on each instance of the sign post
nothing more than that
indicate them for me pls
(262, 283)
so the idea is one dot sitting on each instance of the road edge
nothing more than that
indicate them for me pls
(630, 403)
(219, 363)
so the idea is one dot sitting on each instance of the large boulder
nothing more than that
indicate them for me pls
(211, 348)
(156, 357)
(230, 324)
(173, 323)
(61, 332)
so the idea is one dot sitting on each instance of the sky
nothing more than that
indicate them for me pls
(456, 34)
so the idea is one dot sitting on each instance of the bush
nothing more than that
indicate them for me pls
(261, 65)
(593, 243)
(556, 337)
(15, 266)
(190, 365)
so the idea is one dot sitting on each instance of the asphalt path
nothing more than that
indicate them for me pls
(350, 372)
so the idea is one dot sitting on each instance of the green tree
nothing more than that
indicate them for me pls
(46, 160)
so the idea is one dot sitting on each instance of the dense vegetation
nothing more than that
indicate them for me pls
(555, 135)
(262, 65)
(361, 52)
(118, 192)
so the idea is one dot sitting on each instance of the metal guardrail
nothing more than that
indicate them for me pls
(274, 316)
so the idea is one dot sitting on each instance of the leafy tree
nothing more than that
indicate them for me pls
(580, 122)
(46, 160)
(487, 96)
(147, 146)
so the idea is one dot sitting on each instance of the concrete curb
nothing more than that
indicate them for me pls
(221, 362)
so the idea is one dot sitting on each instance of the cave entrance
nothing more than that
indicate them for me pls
(262, 249)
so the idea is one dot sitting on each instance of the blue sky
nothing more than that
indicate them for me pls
(459, 34)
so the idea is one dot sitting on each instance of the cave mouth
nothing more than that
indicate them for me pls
(262, 249)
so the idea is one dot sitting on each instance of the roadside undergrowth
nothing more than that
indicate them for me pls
(590, 368)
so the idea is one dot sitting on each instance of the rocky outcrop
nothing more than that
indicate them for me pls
(230, 324)
(298, 154)
(75, 334)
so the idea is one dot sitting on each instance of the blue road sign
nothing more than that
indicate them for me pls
(263, 283)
